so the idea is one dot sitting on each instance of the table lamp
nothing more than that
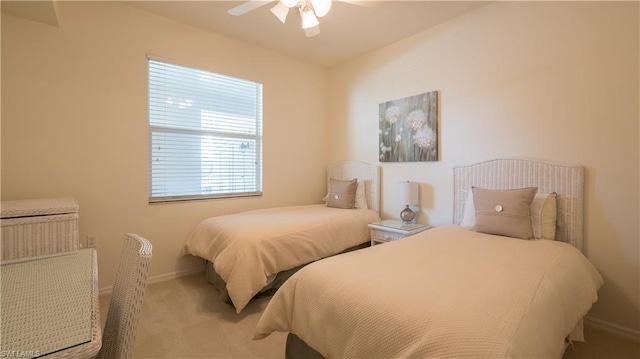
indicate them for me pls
(408, 197)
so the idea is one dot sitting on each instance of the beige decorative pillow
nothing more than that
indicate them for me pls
(361, 199)
(543, 214)
(504, 212)
(342, 193)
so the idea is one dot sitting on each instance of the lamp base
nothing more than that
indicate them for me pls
(407, 216)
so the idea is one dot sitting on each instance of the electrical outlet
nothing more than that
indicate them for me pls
(91, 241)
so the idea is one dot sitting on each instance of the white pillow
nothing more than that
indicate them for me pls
(543, 214)
(361, 200)
(469, 214)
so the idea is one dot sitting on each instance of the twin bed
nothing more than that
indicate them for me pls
(455, 291)
(498, 283)
(252, 253)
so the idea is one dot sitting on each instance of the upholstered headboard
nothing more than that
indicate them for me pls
(566, 180)
(364, 172)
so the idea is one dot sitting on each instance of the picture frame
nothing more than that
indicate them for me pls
(408, 129)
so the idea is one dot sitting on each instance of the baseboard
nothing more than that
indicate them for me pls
(613, 328)
(160, 278)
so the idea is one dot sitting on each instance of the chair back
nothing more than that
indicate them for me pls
(118, 339)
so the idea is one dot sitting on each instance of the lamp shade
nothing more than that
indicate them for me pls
(312, 31)
(309, 20)
(408, 194)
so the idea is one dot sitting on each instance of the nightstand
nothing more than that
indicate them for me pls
(391, 230)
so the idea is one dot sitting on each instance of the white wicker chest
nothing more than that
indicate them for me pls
(39, 226)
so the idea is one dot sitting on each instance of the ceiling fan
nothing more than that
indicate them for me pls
(310, 11)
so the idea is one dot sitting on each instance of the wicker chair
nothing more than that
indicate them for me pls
(118, 340)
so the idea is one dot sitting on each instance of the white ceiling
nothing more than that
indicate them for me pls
(349, 30)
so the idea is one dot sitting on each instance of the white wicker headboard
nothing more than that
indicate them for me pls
(364, 172)
(565, 179)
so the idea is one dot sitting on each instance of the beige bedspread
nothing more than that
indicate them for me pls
(446, 292)
(246, 248)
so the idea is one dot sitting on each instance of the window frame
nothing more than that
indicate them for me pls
(204, 135)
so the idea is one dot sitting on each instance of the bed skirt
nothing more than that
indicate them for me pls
(297, 348)
(214, 278)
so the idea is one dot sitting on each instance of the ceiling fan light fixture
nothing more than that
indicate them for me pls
(280, 11)
(309, 19)
(289, 3)
(312, 31)
(321, 7)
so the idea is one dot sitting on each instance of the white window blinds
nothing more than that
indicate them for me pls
(205, 134)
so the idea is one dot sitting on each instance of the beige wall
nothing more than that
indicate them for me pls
(74, 123)
(555, 81)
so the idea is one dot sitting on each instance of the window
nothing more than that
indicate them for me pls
(205, 134)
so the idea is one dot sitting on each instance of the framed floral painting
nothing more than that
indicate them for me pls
(409, 129)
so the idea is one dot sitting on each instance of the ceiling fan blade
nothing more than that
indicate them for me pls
(364, 3)
(312, 31)
(321, 7)
(280, 11)
(248, 6)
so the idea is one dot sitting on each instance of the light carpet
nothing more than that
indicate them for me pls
(184, 318)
